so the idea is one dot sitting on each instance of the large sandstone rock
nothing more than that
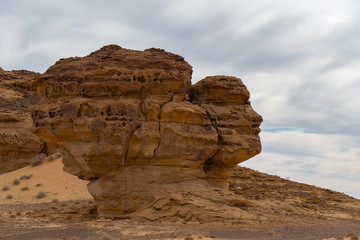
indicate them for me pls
(132, 123)
(18, 145)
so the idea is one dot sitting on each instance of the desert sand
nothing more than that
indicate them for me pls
(25, 184)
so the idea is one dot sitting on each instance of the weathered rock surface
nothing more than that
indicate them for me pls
(132, 123)
(18, 145)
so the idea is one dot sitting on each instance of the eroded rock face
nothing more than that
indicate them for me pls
(18, 145)
(132, 123)
(226, 102)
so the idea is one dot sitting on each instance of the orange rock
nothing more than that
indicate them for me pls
(226, 101)
(131, 123)
(18, 145)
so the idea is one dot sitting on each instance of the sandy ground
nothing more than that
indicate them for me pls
(279, 209)
(89, 227)
(24, 185)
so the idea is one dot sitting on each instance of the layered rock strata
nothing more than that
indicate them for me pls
(132, 123)
(18, 145)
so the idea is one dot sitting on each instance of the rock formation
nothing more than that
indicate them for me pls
(132, 123)
(18, 145)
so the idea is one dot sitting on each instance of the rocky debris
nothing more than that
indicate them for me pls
(284, 199)
(18, 145)
(132, 123)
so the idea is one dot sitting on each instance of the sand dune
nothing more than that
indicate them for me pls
(26, 185)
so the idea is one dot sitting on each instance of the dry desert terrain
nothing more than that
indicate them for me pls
(273, 208)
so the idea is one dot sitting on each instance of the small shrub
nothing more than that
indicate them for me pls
(25, 189)
(40, 195)
(16, 182)
(38, 185)
(50, 158)
(54, 156)
(55, 200)
(9, 196)
(5, 188)
(106, 237)
(38, 159)
(26, 177)
(58, 155)
(211, 236)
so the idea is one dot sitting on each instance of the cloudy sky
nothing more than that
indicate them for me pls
(299, 59)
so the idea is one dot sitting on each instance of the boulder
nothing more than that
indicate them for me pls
(132, 124)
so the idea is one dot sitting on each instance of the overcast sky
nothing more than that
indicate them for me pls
(299, 59)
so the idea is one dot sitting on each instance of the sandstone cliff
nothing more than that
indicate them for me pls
(132, 123)
(18, 145)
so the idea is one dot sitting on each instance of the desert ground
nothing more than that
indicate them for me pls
(44, 202)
